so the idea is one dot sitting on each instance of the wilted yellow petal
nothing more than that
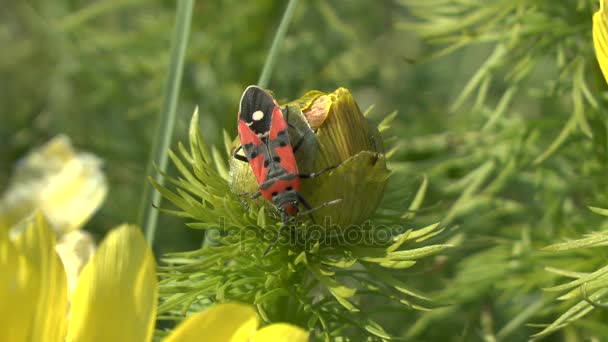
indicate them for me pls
(43, 279)
(66, 186)
(600, 37)
(318, 111)
(116, 295)
(221, 323)
(280, 332)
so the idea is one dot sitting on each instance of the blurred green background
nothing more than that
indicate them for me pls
(95, 71)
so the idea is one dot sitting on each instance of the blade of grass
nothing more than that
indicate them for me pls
(276, 43)
(148, 215)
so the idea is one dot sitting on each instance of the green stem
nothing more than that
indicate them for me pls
(148, 214)
(276, 43)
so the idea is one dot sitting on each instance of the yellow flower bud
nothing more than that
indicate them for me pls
(336, 134)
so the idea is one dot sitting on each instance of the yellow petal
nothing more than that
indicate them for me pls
(75, 249)
(66, 186)
(116, 295)
(41, 278)
(600, 38)
(221, 323)
(280, 332)
(17, 299)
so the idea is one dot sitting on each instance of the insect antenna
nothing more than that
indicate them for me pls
(309, 211)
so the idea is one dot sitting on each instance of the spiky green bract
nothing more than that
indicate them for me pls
(335, 288)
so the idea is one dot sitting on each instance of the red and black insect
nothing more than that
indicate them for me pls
(263, 130)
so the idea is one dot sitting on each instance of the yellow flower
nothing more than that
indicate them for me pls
(115, 298)
(116, 294)
(68, 187)
(600, 38)
(235, 323)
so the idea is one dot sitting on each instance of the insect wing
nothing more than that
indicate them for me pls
(254, 151)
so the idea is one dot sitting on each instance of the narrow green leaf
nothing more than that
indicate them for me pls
(301, 258)
(220, 163)
(338, 291)
(422, 233)
(260, 297)
(559, 141)
(261, 219)
(149, 216)
(565, 273)
(276, 44)
(587, 278)
(494, 59)
(578, 101)
(594, 239)
(397, 264)
(417, 202)
(579, 310)
(342, 263)
(376, 330)
(600, 211)
(417, 253)
(396, 283)
(386, 122)
(399, 241)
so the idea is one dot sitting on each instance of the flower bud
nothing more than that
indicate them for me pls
(336, 134)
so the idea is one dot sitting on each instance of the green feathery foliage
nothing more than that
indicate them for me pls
(501, 106)
(320, 280)
(525, 37)
(536, 51)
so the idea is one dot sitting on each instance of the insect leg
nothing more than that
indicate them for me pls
(238, 156)
(307, 205)
(248, 194)
(298, 144)
(276, 239)
(274, 242)
(374, 147)
(311, 210)
(316, 174)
